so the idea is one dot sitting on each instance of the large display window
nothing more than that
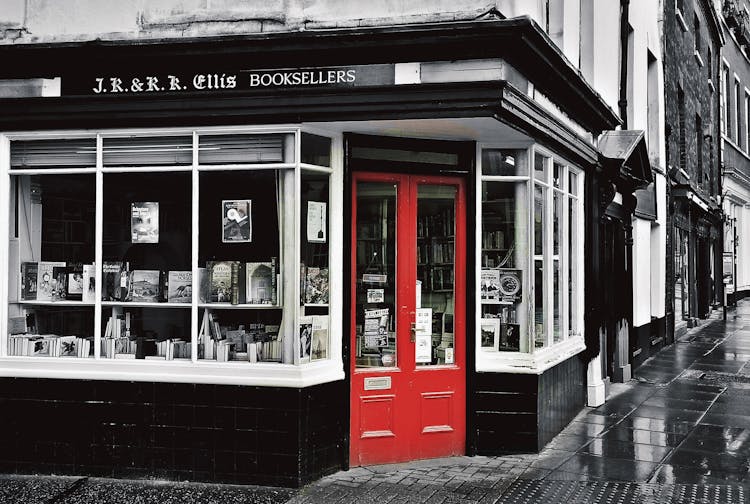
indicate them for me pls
(530, 254)
(209, 251)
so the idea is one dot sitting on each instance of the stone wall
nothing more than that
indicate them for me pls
(49, 21)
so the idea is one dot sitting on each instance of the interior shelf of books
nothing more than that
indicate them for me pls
(376, 275)
(504, 253)
(435, 303)
(108, 233)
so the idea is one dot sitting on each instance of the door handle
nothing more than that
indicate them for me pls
(413, 331)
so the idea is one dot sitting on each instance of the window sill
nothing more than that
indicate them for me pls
(681, 20)
(536, 363)
(225, 373)
(698, 58)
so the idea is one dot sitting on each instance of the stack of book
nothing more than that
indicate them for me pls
(48, 345)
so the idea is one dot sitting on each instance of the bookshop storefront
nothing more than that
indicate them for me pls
(267, 271)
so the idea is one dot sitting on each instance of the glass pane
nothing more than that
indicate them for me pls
(147, 151)
(136, 332)
(558, 171)
(558, 333)
(540, 167)
(314, 249)
(504, 162)
(51, 266)
(244, 335)
(573, 183)
(573, 267)
(246, 149)
(504, 320)
(435, 297)
(316, 150)
(67, 153)
(376, 275)
(540, 225)
(244, 286)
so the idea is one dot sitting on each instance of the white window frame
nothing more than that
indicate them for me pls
(537, 360)
(195, 370)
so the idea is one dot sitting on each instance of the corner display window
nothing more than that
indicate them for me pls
(151, 254)
(529, 251)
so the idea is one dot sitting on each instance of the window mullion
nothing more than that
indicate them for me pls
(98, 248)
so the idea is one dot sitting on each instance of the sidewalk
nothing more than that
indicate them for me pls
(678, 433)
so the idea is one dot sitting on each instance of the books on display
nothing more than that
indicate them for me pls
(144, 286)
(316, 285)
(180, 286)
(49, 275)
(29, 272)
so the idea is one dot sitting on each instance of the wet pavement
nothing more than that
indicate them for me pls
(679, 432)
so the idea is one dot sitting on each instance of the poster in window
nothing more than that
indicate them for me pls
(376, 328)
(319, 337)
(490, 285)
(144, 222)
(509, 285)
(237, 221)
(305, 338)
(316, 222)
(490, 333)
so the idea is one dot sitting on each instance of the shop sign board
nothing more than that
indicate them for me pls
(135, 83)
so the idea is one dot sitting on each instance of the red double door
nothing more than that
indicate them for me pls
(408, 387)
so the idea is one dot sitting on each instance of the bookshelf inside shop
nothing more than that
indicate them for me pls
(143, 284)
(435, 297)
(375, 275)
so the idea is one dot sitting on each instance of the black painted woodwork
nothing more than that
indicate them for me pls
(214, 433)
(523, 412)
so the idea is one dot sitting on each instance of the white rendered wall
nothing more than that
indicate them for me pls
(659, 249)
(641, 272)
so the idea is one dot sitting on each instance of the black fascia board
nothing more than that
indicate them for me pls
(263, 106)
(519, 41)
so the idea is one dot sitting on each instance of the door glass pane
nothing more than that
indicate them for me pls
(435, 298)
(375, 275)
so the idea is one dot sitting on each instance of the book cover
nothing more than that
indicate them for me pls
(47, 282)
(305, 338)
(220, 281)
(89, 283)
(316, 285)
(259, 282)
(75, 281)
(319, 349)
(69, 346)
(144, 286)
(29, 272)
(237, 221)
(59, 283)
(490, 285)
(203, 281)
(144, 222)
(180, 287)
(114, 281)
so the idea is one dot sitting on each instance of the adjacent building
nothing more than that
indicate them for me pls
(692, 57)
(735, 152)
